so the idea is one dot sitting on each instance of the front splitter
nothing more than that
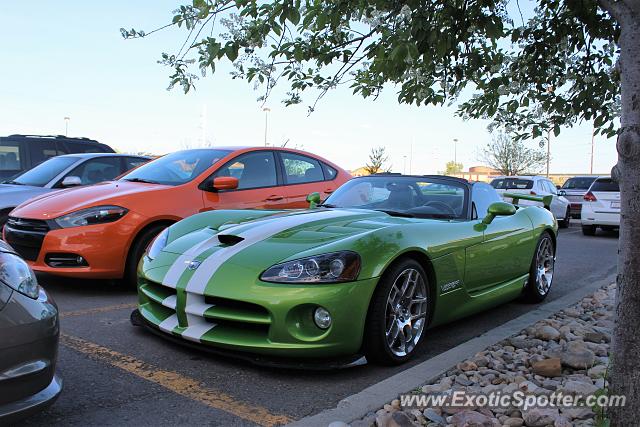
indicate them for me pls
(257, 359)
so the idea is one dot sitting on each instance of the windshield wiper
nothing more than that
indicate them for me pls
(146, 181)
(396, 213)
(12, 182)
(326, 205)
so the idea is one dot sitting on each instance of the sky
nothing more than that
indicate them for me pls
(68, 59)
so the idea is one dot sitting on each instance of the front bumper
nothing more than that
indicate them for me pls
(28, 352)
(103, 247)
(269, 320)
(30, 405)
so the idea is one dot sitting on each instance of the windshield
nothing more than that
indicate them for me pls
(512, 184)
(42, 174)
(403, 196)
(176, 168)
(582, 183)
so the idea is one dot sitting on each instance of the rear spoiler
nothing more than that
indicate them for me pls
(545, 200)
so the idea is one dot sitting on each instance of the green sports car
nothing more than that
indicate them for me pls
(363, 273)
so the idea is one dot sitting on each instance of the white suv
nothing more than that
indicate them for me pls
(536, 186)
(601, 206)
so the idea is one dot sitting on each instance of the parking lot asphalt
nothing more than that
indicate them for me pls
(118, 374)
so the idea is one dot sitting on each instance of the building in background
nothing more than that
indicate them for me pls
(486, 174)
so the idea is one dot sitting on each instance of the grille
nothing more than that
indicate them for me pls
(25, 224)
(230, 317)
(26, 236)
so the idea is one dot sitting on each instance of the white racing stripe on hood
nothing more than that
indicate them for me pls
(262, 231)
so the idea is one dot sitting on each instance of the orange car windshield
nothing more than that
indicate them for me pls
(176, 168)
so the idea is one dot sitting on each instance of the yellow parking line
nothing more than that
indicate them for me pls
(176, 383)
(97, 310)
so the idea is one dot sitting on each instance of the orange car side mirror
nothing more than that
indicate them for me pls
(225, 183)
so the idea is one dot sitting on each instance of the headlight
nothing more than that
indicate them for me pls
(326, 268)
(16, 274)
(158, 244)
(90, 216)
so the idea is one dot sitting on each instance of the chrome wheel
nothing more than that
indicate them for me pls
(406, 312)
(545, 262)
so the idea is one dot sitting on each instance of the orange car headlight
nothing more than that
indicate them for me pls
(91, 216)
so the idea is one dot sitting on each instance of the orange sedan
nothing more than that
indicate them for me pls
(101, 231)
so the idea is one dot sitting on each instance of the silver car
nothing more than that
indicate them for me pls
(29, 330)
(61, 172)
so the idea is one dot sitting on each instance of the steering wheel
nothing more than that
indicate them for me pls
(442, 206)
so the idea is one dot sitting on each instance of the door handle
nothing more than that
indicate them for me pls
(273, 198)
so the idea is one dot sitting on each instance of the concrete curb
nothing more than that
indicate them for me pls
(374, 397)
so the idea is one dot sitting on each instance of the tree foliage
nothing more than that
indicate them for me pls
(452, 168)
(377, 161)
(547, 71)
(511, 156)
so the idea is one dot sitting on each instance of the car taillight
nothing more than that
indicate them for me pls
(533, 193)
(589, 197)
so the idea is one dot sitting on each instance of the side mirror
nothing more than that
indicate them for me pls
(313, 199)
(225, 183)
(562, 193)
(498, 209)
(71, 181)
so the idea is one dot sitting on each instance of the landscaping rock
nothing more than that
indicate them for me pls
(577, 356)
(540, 417)
(547, 333)
(548, 367)
(473, 419)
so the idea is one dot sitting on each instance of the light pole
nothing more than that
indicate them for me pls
(66, 126)
(548, 150)
(455, 150)
(593, 135)
(266, 123)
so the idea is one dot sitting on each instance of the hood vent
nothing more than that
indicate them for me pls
(229, 239)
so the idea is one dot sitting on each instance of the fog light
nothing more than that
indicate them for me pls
(322, 318)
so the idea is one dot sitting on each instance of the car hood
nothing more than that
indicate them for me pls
(62, 202)
(255, 245)
(13, 195)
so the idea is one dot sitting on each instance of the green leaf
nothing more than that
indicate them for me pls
(294, 16)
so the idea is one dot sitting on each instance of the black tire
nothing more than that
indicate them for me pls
(139, 246)
(539, 285)
(566, 221)
(375, 343)
(589, 230)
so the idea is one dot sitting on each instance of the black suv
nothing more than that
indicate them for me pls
(22, 152)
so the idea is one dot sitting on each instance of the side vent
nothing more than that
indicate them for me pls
(229, 239)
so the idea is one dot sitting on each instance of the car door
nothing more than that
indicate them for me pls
(303, 175)
(504, 253)
(258, 184)
(558, 205)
